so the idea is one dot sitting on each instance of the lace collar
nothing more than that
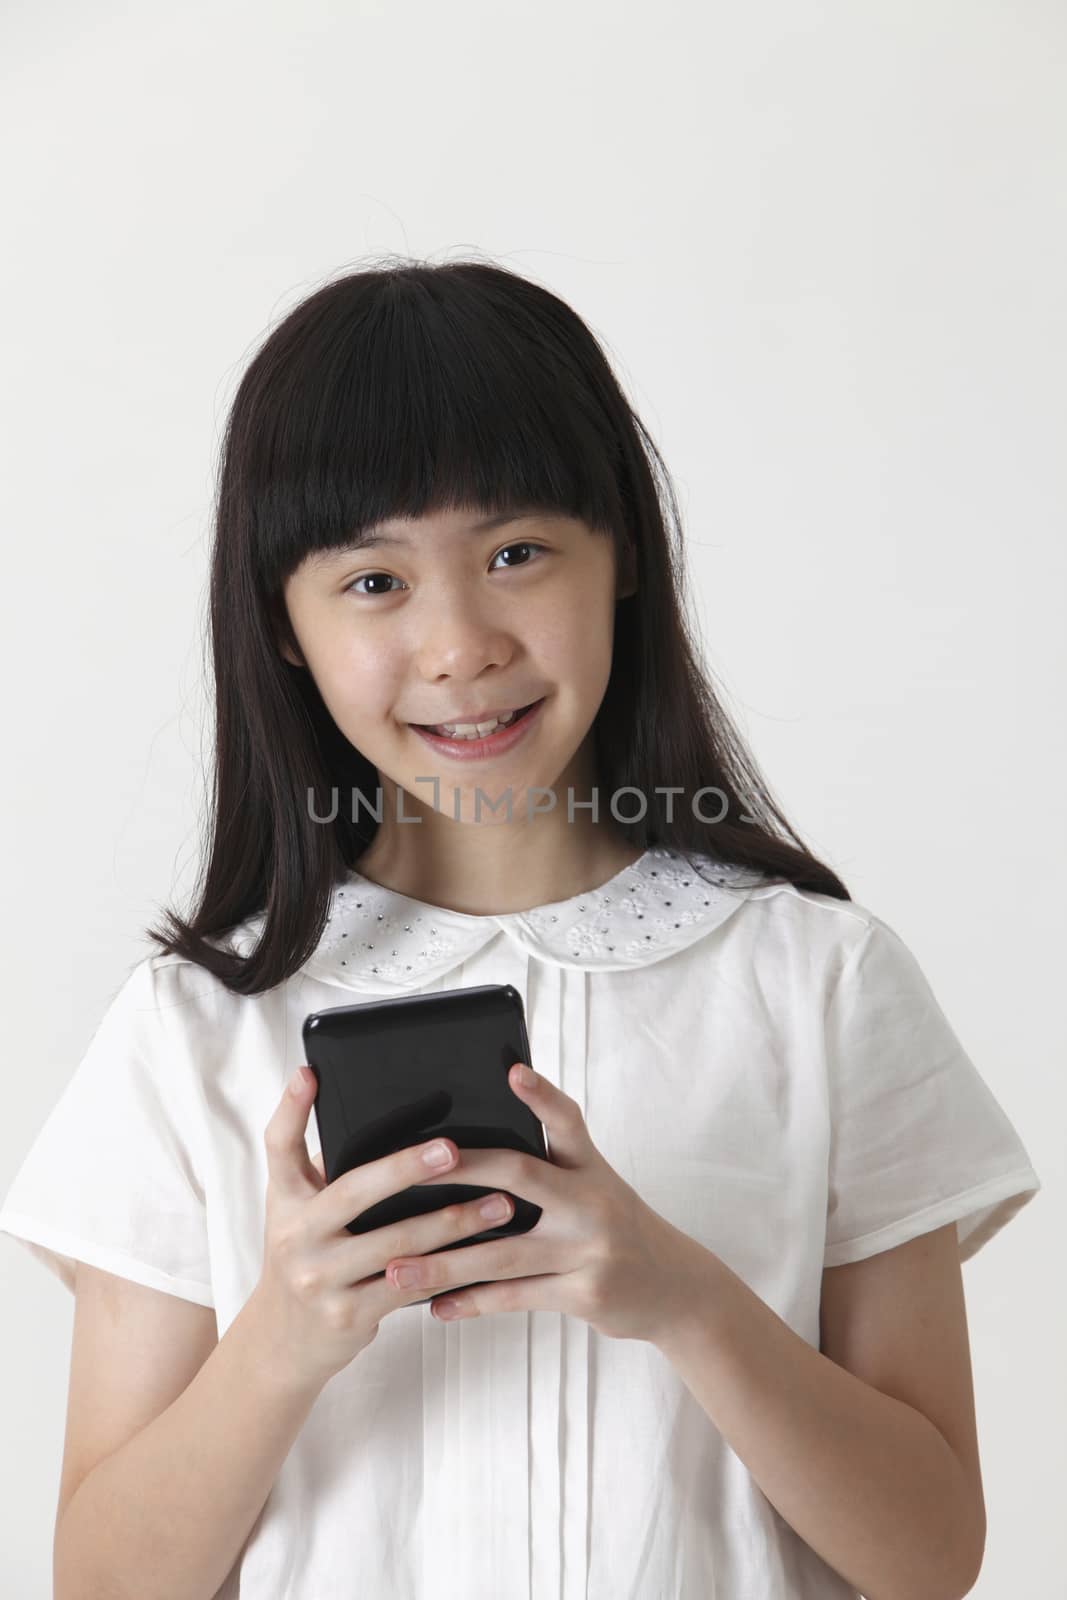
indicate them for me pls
(378, 940)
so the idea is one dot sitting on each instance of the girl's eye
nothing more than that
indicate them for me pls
(368, 577)
(524, 546)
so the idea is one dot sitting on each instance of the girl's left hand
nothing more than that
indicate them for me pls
(597, 1251)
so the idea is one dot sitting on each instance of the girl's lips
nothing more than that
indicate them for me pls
(494, 744)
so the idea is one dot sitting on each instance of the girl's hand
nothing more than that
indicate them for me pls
(323, 1291)
(597, 1251)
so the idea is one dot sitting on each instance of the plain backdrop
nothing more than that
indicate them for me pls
(824, 246)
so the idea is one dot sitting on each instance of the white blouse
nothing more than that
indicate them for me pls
(766, 1066)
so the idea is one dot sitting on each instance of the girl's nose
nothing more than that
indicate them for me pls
(460, 641)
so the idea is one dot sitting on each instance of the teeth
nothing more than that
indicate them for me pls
(474, 730)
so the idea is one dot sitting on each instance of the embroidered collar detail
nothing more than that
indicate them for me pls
(379, 940)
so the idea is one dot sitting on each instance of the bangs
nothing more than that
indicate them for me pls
(398, 395)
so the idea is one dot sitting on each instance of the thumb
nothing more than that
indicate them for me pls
(289, 1166)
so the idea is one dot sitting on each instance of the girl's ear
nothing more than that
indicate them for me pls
(283, 634)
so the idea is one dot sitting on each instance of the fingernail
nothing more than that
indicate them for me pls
(437, 1155)
(297, 1081)
(524, 1076)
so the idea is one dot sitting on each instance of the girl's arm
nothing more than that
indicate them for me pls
(867, 1480)
(169, 1511)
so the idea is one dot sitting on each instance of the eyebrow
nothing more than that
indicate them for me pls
(379, 536)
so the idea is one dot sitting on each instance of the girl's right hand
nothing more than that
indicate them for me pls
(319, 1300)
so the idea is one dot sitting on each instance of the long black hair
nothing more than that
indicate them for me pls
(396, 391)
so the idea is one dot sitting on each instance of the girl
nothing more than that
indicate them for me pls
(462, 737)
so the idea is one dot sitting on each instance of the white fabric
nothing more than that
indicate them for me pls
(766, 1066)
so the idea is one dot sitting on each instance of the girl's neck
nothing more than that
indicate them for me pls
(483, 869)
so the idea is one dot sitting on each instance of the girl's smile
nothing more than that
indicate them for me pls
(490, 747)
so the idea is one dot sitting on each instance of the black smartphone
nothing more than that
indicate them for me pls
(393, 1073)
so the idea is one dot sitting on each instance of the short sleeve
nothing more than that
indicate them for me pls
(112, 1177)
(917, 1138)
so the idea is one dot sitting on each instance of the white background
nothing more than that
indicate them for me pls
(824, 246)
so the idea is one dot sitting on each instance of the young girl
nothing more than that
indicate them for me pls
(731, 1359)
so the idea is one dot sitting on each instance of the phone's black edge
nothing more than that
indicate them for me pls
(446, 996)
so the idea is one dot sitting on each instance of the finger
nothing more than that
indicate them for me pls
(320, 1166)
(354, 1191)
(288, 1164)
(441, 1270)
(529, 1177)
(549, 1291)
(569, 1140)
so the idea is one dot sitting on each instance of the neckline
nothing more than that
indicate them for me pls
(477, 918)
(377, 940)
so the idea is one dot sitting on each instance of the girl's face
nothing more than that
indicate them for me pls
(443, 617)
